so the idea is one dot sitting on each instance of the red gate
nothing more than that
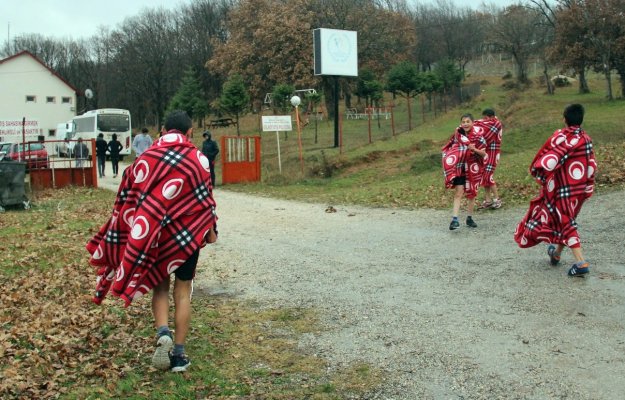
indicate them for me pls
(240, 159)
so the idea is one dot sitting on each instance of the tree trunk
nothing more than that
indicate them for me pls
(583, 83)
(608, 80)
(550, 87)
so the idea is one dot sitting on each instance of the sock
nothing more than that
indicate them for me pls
(454, 218)
(178, 349)
(163, 330)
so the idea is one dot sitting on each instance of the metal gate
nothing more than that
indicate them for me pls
(240, 159)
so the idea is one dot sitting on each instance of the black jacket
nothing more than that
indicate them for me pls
(100, 147)
(210, 149)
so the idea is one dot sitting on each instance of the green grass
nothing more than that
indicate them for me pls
(405, 171)
(73, 349)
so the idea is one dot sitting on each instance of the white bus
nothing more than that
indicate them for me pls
(107, 121)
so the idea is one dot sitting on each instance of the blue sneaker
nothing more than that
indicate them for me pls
(579, 269)
(454, 224)
(554, 258)
(164, 344)
(180, 363)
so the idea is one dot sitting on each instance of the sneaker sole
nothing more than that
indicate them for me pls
(181, 369)
(160, 359)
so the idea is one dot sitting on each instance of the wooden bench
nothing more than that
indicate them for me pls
(222, 123)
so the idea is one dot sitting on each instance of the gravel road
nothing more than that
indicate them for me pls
(447, 315)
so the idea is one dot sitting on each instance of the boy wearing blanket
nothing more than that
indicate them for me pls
(463, 160)
(492, 130)
(163, 214)
(565, 168)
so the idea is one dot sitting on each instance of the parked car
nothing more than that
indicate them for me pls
(35, 155)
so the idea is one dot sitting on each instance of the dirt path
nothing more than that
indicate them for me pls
(463, 314)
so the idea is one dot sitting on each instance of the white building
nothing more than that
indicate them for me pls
(32, 93)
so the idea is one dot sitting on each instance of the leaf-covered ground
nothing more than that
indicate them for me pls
(55, 343)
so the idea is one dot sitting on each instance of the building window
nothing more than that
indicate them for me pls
(50, 99)
(66, 100)
(51, 132)
(30, 99)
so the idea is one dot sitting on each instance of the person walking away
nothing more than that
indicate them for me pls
(565, 168)
(493, 132)
(63, 148)
(463, 158)
(114, 148)
(210, 150)
(163, 214)
(81, 152)
(141, 142)
(100, 151)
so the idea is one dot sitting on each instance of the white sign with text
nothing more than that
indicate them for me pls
(277, 123)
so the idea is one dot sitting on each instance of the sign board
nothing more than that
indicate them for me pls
(10, 127)
(277, 123)
(335, 52)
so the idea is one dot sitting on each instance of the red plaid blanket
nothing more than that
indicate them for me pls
(459, 161)
(162, 214)
(492, 135)
(565, 167)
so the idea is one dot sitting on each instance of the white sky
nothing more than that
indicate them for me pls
(77, 19)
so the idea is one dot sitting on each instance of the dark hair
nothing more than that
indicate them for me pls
(101, 135)
(488, 112)
(206, 134)
(467, 115)
(574, 114)
(144, 130)
(178, 120)
(114, 137)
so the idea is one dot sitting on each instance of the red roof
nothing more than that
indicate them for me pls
(53, 72)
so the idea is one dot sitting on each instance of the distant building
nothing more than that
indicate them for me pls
(30, 89)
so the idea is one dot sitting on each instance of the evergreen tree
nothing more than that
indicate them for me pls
(190, 97)
(234, 98)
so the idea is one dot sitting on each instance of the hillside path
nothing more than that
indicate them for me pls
(446, 315)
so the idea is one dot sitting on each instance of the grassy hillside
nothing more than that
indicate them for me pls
(405, 170)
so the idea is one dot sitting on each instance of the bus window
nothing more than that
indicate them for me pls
(113, 123)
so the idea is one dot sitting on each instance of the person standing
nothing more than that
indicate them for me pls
(565, 169)
(81, 152)
(100, 151)
(115, 147)
(163, 214)
(210, 150)
(492, 131)
(141, 142)
(463, 158)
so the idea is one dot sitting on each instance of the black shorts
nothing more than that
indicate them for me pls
(459, 181)
(186, 271)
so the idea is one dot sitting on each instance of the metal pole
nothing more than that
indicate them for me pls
(336, 111)
(279, 159)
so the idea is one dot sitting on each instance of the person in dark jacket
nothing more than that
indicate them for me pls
(100, 152)
(210, 150)
(81, 152)
(115, 147)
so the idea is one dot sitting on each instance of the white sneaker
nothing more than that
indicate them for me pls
(160, 359)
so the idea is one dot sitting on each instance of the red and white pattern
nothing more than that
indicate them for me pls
(565, 167)
(493, 132)
(459, 161)
(162, 214)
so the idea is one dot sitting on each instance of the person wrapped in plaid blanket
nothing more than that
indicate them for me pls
(463, 159)
(493, 132)
(565, 167)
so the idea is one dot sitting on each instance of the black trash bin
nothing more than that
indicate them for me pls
(12, 191)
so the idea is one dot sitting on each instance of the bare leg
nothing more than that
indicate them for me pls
(160, 303)
(577, 253)
(459, 192)
(493, 192)
(182, 300)
(470, 206)
(487, 194)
